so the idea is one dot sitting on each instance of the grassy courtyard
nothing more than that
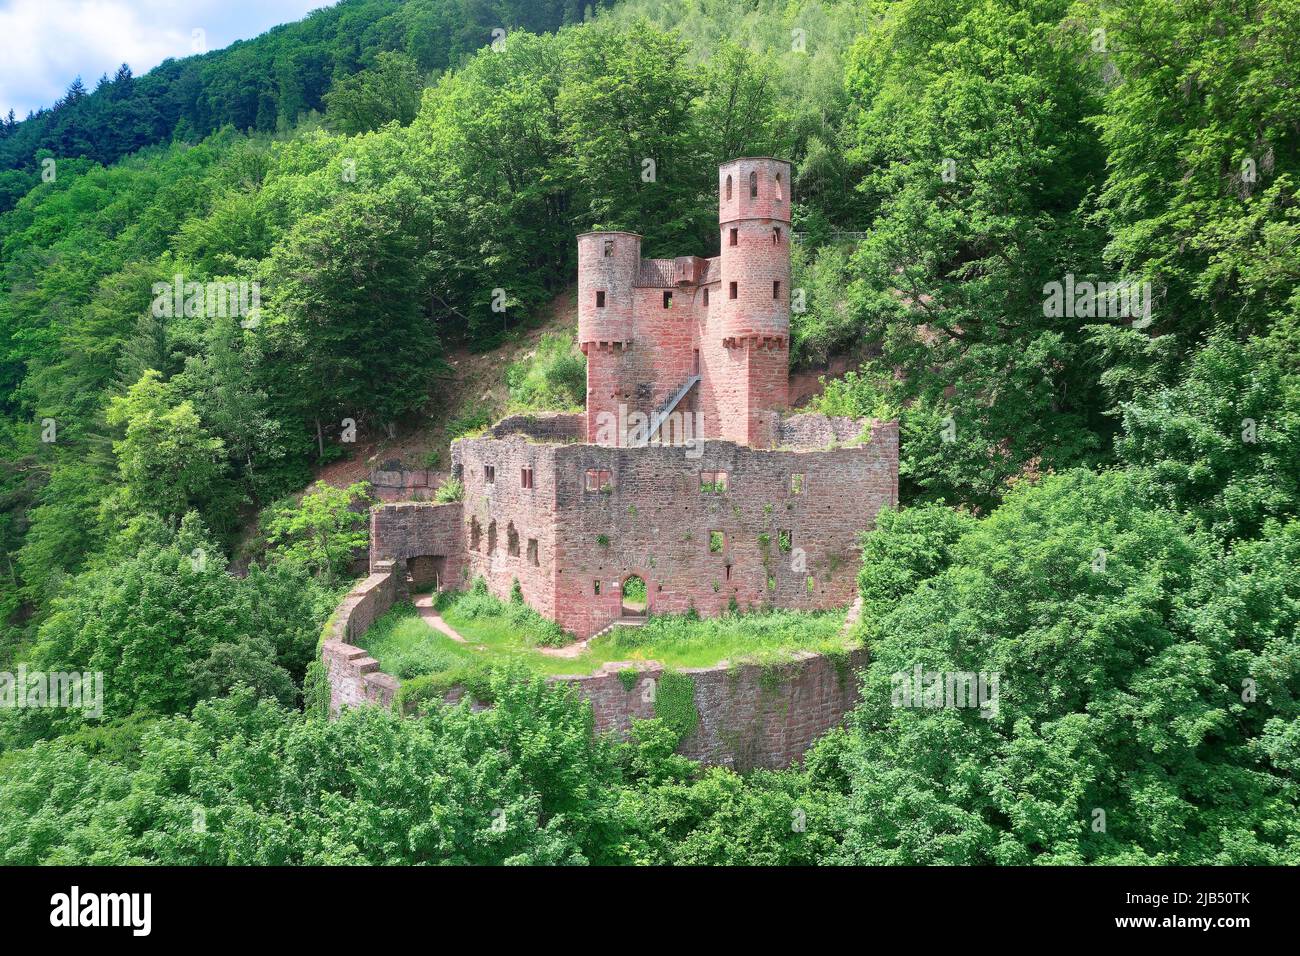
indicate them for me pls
(502, 632)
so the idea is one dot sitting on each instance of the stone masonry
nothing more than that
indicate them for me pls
(686, 471)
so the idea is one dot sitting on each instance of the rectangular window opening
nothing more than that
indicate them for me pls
(599, 479)
(609, 248)
(796, 484)
(785, 540)
(526, 476)
(776, 288)
(695, 363)
(718, 541)
(732, 290)
(735, 237)
(600, 298)
(668, 299)
(532, 551)
(714, 482)
(595, 587)
(489, 473)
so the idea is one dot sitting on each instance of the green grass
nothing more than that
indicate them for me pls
(406, 646)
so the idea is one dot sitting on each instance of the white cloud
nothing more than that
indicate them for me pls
(45, 44)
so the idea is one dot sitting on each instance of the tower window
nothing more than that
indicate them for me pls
(728, 187)
(668, 299)
(753, 185)
(779, 197)
(695, 365)
(600, 298)
(776, 235)
(733, 290)
(526, 476)
(489, 473)
(776, 288)
(609, 248)
(734, 240)
(706, 298)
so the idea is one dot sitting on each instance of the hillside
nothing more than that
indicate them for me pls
(1057, 240)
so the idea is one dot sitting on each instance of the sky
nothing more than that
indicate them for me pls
(46, 44)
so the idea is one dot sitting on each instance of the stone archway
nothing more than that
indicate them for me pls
(635, 599)
(426, 572)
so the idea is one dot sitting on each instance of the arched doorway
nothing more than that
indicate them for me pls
(635, 596)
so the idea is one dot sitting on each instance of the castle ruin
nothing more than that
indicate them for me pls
(686, 469)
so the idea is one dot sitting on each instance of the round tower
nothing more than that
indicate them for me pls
(607, 270)
(754, 215)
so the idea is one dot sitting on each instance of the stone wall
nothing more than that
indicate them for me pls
(749, 716)
(543, 426)
(406, 533)
(354, 676)
(782, 546)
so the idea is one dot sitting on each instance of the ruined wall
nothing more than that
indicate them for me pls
(495, 509)
(749, 716)
(354, 676)
(781, 547)
(746, 716)
(405, 532)
(543, 426)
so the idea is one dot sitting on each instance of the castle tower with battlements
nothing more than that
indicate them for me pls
(694, 335)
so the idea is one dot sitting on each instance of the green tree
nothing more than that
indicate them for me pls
(387, 92)
(168, 463)
(321, 531)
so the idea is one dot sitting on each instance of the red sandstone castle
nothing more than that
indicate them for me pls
(685, 470)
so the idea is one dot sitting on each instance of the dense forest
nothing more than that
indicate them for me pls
(1102, 508)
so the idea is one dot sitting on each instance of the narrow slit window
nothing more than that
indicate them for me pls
(734, 239)
(532, 552)
(695, 363)
(776, 288)
(706, 298)
(728, 187)
(512, 540)
(595, 588)
(600, 298)
(779, 194)
(753, 185)
(732, 290)
(526, 476)
(489, 473)
(668, 299)
(785, 540)
(776, 235)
